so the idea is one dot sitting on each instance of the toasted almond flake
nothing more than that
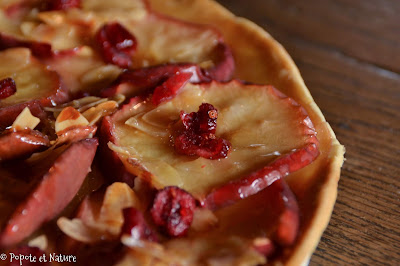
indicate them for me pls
(150, 248)
(69, 117)
(203, 220)
(107, 225)
(93, 114)
(118, 197)
(52, 18)
(25, 120)
(80, 231)
(79, 104)
(39, 242)
(92, 104)
(119, 98)
(261, 241)
(28, 27)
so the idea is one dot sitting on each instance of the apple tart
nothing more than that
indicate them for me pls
(147, 133)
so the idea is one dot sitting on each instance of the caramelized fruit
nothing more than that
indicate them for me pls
(169, 88)
(38, 49)
(117, 45)
(173, 210)
(63, 4)
(144, 80)
(262, 125)
(55, 190)
(21, 144)
(199, 138)
(136, 227)
(7, 88)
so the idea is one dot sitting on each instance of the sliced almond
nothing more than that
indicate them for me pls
(118, 197)
(107, 225)
(40, 242)
(203, 220)
(25, 120)
(78, 230)
(94, 114)
(70, 117)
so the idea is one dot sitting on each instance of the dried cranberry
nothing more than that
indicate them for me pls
(202, 145)
(33, 254)
(62, 4)
(173, 210)
(203, 121)
(117, 45)
(7, 88)
(39, 49)
(170, 87)
(136, 227)
(199, 135)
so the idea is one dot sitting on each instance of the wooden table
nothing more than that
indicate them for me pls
(348, 52)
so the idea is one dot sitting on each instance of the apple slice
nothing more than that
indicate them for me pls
(144, 80)
(249, 230)
(62, 4)
(73, 27)
(150, 34)
(162, 39)
(36, 85)
(55, 190)
(82, 70)
(258, 180)
(263, 126)
(62, 30)
(274, 209)
(39, 49)
(19, 144)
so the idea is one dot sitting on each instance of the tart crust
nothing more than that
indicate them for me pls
(261, 59)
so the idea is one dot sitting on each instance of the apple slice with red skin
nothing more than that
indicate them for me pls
(110, 162)
(39, 49)
(9, 114)
(56, 189)
(224, 65)
(162, 39)
(269, 132)
(74, 65)
(259, 180)
(42, 5)
(22, 143)
(169, 88)
(273, 213)
(61, 4)
(144, 80)
(36, 86)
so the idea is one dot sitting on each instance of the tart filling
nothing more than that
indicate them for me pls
(260, 123)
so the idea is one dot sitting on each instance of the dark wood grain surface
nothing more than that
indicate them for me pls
(348, 52)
